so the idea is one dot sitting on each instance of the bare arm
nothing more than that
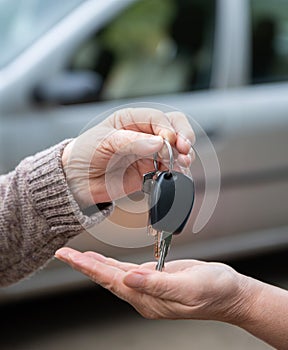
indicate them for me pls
(267, 317)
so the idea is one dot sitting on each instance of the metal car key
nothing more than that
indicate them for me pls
(172, 198)
(148, 180)
(165, 243)
(170, 202)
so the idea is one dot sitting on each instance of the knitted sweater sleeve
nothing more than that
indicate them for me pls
(38, 214)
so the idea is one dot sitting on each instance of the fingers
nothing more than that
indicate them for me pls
(91, 267)
(105, 272)
(112, 262)
(125, 142)
(71, 255)
(185, 133)
(165, 284)
(185, 137)
(64, 253)
(173, 126)
(107, 275)
(118, 277)
(177, 266)
(146, 120)
(154, 294)
(154, 283)
(168, 125)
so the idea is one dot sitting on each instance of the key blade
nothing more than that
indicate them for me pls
(166, 238)
(157, 243)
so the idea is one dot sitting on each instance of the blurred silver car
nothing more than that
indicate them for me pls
(223, 62)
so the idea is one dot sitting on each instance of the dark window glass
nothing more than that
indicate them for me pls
(153, 47)
(269, 40)
(23, 22)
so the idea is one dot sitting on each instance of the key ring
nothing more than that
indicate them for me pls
(171, 157)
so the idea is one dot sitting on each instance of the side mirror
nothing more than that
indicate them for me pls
(69, 88)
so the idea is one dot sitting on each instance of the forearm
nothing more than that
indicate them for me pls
(265, 313)
(38, 214)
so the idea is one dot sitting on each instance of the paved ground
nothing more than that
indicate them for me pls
(94, 319)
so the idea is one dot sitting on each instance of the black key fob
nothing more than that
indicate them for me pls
(172, 198)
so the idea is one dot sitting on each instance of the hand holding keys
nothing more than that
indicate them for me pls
(171, 198)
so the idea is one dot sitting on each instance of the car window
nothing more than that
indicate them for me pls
(269, 40)
(153, 47)
(22, 22)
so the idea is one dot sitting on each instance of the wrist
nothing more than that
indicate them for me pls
(65, 156)
(266, 314)
(78, 182)
(249, 292)
(78, 188)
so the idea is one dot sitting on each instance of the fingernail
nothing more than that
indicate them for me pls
(134, 280)
(188, 142)
(61, 253)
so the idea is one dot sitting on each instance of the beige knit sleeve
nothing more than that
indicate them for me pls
(38, 214)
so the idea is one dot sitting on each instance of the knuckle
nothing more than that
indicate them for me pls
(190, 136)
(192, 155)
(179, 115)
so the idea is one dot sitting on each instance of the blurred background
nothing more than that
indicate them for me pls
(223, 62)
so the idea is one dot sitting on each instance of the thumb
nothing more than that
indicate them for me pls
(126, 142)
(154, 283)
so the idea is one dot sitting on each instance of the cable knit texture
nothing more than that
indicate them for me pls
(38, 214)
